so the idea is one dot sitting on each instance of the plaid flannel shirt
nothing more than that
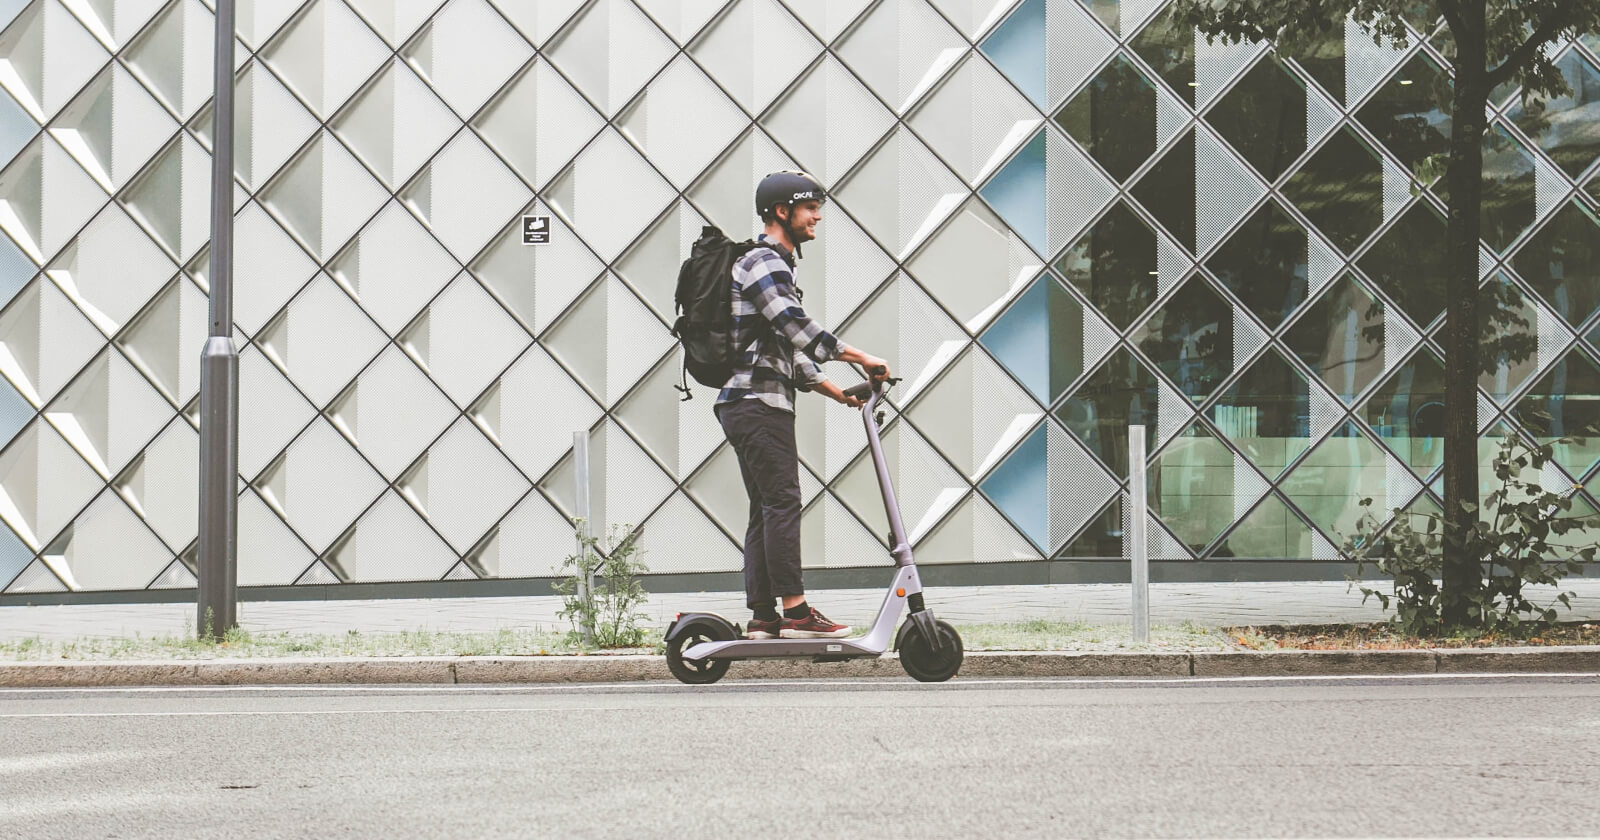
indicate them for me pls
(782, 345)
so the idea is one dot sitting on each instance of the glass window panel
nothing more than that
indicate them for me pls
(1330, 484)
(1340, 338)
(1562, 263)
(1410, 114)
(1114, 265)
(1040, 339)
(1191, 487)
(1408, 413)
(1017, 47)
(1114, 118)
(1271, 531)
(1019, 487)
(1108, 11)
(1568, 127)
(1264, 117)
(1120, 393)
(1191, 338)
(1508, 331)
(1584, 510)
(1017, 192)
(1169, 50)
(1340, 189)
(1267, 413)
(1508, 189)
(1167, 190)
(1566, 403)
(1102, 539)
(1408, 262)
(1265, 264)
(1323, 60)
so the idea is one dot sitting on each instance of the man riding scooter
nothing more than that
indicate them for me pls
(780, 347)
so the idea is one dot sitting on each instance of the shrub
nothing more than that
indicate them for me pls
(1525, 535)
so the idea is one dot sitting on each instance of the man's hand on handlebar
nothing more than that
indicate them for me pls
(833, 392)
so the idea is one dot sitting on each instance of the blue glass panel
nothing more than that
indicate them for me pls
(16, 127)
(15, 269)
(1020, 339)
(1019, 488)
(1040, 339)
(9, 9)
(1017, 193)
(1017, 48)
(15, 412)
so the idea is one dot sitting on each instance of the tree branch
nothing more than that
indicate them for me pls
(1559, 19)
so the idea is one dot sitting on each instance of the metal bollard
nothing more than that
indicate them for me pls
(1138, 546)
(580, 469)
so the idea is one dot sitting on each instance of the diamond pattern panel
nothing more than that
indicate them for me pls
(325, 54)
(395, 124)
(754, 51)
(975, 119)
(466, 52)
(1045, 207)
(828, 147)
(537, 123)
(681, 121)
(610, 50)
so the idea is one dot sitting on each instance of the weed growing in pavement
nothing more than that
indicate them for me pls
(605, 612)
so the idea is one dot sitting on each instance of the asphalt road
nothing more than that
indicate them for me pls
(1355, 757)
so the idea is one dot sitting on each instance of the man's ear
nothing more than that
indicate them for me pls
(779, 214)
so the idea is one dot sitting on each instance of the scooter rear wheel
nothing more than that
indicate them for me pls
(697, 671)
(920, 660)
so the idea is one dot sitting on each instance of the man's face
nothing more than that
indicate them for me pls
(803, 219)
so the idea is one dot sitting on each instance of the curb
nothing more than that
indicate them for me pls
(503, 670)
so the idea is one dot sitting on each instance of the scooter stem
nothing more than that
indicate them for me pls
(901, 549)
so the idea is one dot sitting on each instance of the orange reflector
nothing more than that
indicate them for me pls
(900, 593)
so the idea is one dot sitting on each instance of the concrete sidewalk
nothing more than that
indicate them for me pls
(1204, 604)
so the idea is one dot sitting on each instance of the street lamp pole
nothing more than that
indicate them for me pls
(218, 597)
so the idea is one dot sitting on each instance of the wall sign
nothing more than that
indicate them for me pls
(535, 230)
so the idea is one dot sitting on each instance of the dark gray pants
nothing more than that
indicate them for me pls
(763, 438)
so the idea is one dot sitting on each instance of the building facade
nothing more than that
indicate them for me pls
(1056, 218)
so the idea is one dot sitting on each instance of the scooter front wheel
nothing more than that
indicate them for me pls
(697, 671)
(925, 664)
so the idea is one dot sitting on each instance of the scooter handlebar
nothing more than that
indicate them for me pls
(863, 389)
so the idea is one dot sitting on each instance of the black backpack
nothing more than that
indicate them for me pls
(705, 308)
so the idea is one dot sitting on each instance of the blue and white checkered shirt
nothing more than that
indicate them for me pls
(784, 354)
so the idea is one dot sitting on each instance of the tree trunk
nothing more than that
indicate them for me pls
(1463, 571)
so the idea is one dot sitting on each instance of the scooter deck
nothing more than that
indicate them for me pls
(739, 649)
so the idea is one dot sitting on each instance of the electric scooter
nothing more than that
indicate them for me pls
(701, 646)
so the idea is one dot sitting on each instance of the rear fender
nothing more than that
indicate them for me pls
(686, 620)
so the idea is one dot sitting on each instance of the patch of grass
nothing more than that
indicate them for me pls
(244, 644)
(1386, 637)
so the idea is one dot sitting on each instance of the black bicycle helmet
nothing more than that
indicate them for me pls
(787, 187)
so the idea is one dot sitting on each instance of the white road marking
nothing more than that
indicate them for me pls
(470, 688)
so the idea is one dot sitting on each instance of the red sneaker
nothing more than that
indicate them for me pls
(759, 629)
(813, 626)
